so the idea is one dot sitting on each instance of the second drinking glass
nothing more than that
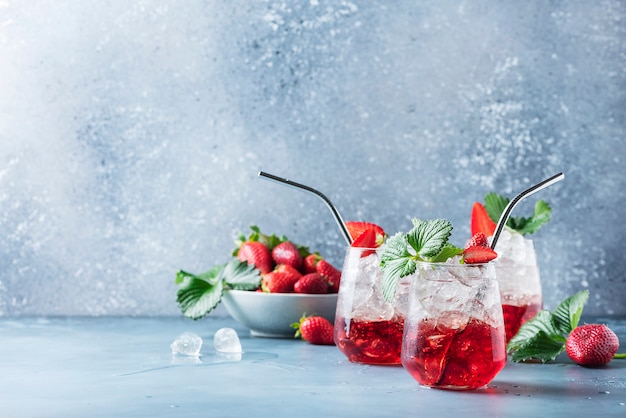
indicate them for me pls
(368, 329)
(518, 279)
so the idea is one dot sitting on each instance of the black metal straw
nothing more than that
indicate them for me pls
(509, 208)
(340, 222)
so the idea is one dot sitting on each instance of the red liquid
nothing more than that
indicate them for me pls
(466, 358)
(370, 342)
(515, 316)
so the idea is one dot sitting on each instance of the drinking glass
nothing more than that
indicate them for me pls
(368, 329)
(519, 281)
(454, 329)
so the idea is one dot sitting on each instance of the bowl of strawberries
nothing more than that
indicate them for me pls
(272, 314)
(269, 284)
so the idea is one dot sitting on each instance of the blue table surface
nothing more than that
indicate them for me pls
(118, 367)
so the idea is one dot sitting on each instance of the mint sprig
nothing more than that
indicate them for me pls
(495, 205)
(427, 241)
(200, 294)
(543, 337)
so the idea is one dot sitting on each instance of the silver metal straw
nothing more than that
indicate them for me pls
(509, 208)
(340, 222)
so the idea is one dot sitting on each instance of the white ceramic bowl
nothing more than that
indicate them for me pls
(271, 314)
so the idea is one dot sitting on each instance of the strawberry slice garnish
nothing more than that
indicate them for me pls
(480, 221)
(366, 240)
(358, 229)
(478, 254)
(477, 250)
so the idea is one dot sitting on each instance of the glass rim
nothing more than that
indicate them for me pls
(351, 248)
(454, 265)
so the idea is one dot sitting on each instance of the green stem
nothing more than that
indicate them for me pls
(620, 355)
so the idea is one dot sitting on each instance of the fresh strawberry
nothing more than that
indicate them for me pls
(257, 253)
(286, 268)
(287, 253)
(478, 254)
(315, 329)
(312, 283)
(591, 345)
(278, 282)
(310, 261)
(330, 273)
(480, 221)
(478, 240)
(356, 229)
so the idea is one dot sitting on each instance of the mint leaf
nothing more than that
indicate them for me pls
(395, 262)
(567, 314)
(495, 205)
(428, 237)
(396, 258)
(425, 242)
(446, 252)
(198, 296)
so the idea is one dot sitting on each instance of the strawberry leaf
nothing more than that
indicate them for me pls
(240, 275)
(197, 296)
(211, 275)
(567, 314)
(544, 336)
(200, 294)
(495, 205)
(530, 225)
(540, 347)
(537, 339)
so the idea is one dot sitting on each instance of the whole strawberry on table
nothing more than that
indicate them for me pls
(262, 263)
(550, 333)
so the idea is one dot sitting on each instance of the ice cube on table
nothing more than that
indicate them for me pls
(226, 340)
(187, 344)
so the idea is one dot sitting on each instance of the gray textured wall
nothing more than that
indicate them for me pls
(131, 134)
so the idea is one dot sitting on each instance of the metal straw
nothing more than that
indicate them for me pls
(335, 212)
(509, 208)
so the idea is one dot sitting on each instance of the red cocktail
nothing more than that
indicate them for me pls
(368, 328)
(454, 334)
(515, 316)
(372, 342)
(463, 358)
